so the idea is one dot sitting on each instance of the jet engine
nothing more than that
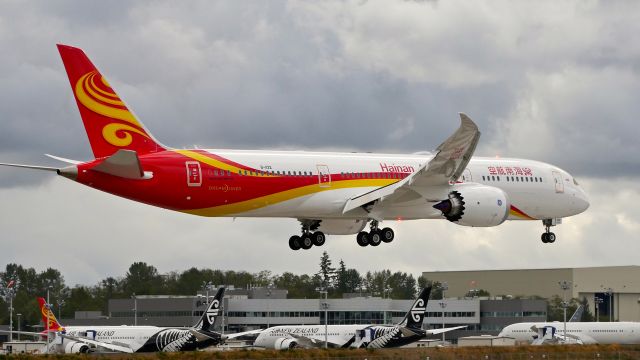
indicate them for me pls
(341, 226)
(475, 205)
(285, 343)
(75, 347)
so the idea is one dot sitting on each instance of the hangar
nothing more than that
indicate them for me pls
(617, 287)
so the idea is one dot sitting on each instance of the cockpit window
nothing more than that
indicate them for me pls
(575, 182)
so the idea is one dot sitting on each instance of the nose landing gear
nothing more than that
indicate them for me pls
(547, 236)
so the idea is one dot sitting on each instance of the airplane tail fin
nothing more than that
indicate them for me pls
(577, 316)
(415, 315)
(108, 122)
(209, 317)
(47, 315)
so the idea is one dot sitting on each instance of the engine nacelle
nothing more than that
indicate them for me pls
(341, 226)
(285, 343)
(475, 205)
(75, 347)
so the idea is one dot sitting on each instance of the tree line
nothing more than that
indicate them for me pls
(144, 279)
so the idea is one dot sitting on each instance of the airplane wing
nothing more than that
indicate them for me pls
(310, 343)
(100, 344)
(233, 336)
(452, 157)
(26, 333)
(444, 330)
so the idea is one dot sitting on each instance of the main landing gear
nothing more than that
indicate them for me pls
(308, 239)
(376, 236)
(547, 236)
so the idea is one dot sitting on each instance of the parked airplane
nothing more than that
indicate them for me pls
(329, 193)
(355, 336)
(577, 332)
(130, 339)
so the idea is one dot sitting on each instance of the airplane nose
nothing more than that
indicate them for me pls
(581, 201)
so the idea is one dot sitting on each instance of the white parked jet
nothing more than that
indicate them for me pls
(577, 332)
(132, 339)
(354, 336)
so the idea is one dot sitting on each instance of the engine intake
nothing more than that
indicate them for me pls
(475, 205)
(285, 343)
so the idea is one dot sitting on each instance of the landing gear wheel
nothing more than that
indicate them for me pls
(318, 238)
(294, 242)
(363, 238)
(551, 237)
(375, 238)
(387, 235)
(543, 237)
(306, 242)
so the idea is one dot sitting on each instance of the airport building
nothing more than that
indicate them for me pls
(261, 308)
(616, 287)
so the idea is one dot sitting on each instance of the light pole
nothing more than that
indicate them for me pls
(135, 309)
(387, 291)
(444, 287)
(19, 315)
(10, 314)
(48, 316)
(565, 285)
(269, 292)
(207, 286)
(324, 306)
(60, 303)
(610, 293)
(598, 301)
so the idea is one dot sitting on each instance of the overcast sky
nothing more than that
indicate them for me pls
(552, 81)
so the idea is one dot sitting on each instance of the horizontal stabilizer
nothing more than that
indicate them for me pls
(34, 167)
(124, 163)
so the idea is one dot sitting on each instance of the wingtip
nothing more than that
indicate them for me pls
(466, 120)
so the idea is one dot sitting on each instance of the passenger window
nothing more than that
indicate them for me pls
(483, 178)
(498, 177)
(493, 178)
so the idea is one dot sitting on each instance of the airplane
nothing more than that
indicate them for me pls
(577, 332)
(328, 193)
(134, 339)
(353, 336)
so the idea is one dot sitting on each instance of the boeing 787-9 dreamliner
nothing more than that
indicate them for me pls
(329, 193)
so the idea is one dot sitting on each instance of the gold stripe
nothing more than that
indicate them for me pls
(216, 163)
(99, 96)
(279, 197)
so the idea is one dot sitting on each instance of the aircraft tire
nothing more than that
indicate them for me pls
(306, 242)
(294, 242)
(543, 237)
(387, 235)
(318, 238)
(375, 238)
(362, 238)
(551, 237)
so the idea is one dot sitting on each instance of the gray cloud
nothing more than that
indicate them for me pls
(552, 82)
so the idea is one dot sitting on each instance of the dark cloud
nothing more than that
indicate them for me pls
(553, 82)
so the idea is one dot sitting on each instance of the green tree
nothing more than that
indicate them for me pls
(326, 273)
(142, 279)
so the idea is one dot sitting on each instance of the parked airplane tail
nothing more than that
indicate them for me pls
(577, 315)
(109, 124)
(209, 317)
(47, 315)
(415, 316)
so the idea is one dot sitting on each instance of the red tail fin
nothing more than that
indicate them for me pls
(109, 124)
(53, 322)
